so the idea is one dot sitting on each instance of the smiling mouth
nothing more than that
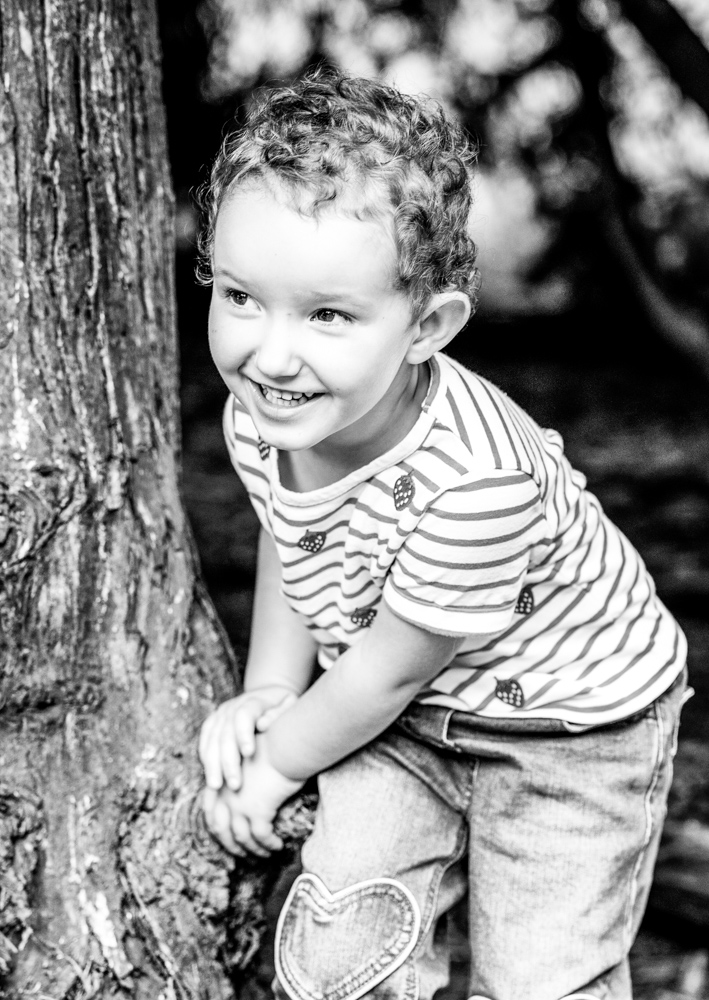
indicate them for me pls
(285, 397)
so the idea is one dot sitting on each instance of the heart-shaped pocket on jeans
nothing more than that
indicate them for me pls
(339, 946)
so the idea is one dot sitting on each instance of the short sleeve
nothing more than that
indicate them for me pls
(461, 568)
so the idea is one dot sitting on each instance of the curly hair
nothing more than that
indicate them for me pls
(382, 154)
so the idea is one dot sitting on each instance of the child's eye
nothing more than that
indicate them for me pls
(331, 316)
(237, 297)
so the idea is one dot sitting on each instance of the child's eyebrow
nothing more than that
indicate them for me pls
(304, 293)
(330, 295)
(307, 295)
(223, 272)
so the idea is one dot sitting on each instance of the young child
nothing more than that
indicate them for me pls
(447, 629)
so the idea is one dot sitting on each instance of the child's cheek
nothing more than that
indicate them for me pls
(219, 341)
(214, 345)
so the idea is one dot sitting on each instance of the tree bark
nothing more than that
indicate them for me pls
(110, 652)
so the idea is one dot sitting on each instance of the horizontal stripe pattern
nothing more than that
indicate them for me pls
(477, 526)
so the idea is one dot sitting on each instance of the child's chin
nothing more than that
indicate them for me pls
(285, 440)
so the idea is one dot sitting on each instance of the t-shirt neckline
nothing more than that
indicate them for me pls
(408, 444)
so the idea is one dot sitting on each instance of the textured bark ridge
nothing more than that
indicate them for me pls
(110, 653)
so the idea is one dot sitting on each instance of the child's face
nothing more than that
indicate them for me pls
(305, 325)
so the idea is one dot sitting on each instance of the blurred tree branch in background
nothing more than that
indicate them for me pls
(678, 322)
(687, 61)
(681, 50)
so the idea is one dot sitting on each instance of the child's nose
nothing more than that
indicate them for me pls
(276, 356)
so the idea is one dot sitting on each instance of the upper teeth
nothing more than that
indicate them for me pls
(285, 394)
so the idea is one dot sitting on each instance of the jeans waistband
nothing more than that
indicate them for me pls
(432, 723)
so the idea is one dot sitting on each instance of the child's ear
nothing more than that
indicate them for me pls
(444, 316)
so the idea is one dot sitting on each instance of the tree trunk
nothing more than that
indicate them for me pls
(110, 652)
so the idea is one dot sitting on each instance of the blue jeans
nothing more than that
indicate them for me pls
(552, 835)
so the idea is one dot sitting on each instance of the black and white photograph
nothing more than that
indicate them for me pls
(354, 500)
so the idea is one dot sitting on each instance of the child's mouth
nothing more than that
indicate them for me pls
(285, 397)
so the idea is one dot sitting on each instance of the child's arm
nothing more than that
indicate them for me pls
(358, 697)
(349, 705)
(281, 649)
(279, 667)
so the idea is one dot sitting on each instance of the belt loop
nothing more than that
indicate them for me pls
(446, 724)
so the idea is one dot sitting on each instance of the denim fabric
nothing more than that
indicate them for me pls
(329, 927)
(553, 836)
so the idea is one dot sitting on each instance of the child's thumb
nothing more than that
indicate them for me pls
(271, 714)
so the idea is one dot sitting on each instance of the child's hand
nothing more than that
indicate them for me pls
(228, 734)
(243, 820)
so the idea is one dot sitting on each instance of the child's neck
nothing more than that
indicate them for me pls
(328, 462)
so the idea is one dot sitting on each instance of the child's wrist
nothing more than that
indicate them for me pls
(259, 687)
(275, 761)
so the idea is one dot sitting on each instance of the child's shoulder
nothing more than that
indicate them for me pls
(482, 426)
(478, 396)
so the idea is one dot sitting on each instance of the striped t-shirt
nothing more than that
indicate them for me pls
(474, 525)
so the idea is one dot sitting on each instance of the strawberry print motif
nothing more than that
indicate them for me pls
(312, 541)
(363, 617)
(404, 490)
(525, 602)
(510, 692)
(263, 449)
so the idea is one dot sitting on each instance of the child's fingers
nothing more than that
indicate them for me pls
(213, 809)
(228, 735)
(220, 821)
(262, 832)
(229, 759)
(216, 816)
(244, 727)
(223, 828)
(205, 734)
(208, 800)
(264, 721)
(271, 714)
(210, 756)
(242, 836)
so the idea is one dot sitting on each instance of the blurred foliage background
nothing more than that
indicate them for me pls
(592, 222)
(594, 143)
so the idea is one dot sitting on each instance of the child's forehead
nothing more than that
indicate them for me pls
(350, 197)
(274, 219)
